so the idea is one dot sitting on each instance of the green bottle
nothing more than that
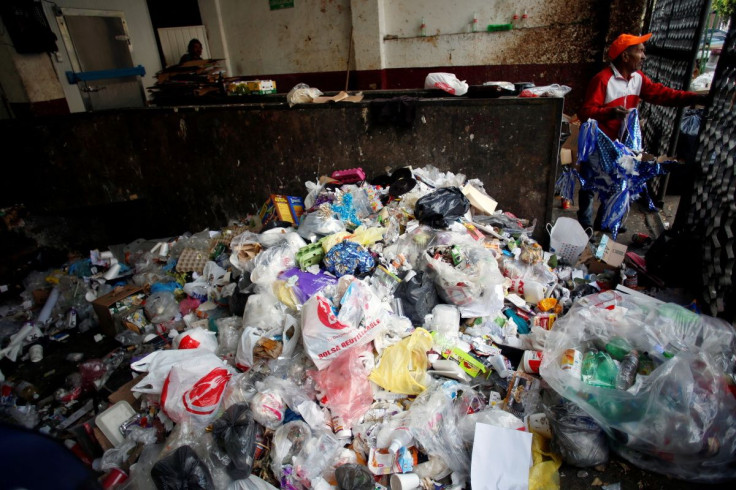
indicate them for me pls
(601, 370)
(618, 347)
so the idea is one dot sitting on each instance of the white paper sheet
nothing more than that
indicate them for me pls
(501, 458)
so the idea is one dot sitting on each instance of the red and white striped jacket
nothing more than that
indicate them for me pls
(610, 89)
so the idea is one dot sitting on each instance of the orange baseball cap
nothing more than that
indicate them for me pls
(624, 41)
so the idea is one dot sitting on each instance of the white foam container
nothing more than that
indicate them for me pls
(110, 420)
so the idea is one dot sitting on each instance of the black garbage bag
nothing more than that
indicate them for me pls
(418, 296)
(671, 258)
(575, 435)
(235, 433)
(440, 208)
(182, 469)
(354, 477)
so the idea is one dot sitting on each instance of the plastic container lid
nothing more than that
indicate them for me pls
(110, 420)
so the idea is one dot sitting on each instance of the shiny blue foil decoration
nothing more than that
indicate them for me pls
(565, 185)
(345, 210)
(348, 258)
(615, 170)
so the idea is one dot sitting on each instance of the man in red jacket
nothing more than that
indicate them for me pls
(616, 90)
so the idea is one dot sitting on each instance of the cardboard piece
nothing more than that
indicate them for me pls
(479, 200)
(282, 208)
(339, 97)
(124, 393)
(570, 146)
(118, 301)
(610, 252)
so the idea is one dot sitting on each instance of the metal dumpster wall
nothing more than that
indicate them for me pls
(188, 168)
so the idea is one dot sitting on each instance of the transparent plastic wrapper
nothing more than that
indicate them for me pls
(474, 284)
(245, 247)
(193, 390)
(316, 456)
(196, 338)
(678, 417)
(161, 307)
(434, 177)
(325, 334)
(447, 82)
(433, 421)
(403, 366)
(268, 408)
(268, 264)
(288, 442)
(302, 94)
(345, 384)
(575, 435)
(262, 311)
(182, 469)
(320, 222)
(490, 416)
(253, 482)
(440, 208)
(140, 472)
(277, 343)
(235, 433)
(554, 90)
(240, 389)
(228, 335)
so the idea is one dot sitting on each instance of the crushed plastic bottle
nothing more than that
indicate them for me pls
(599, 369)
(627, 371)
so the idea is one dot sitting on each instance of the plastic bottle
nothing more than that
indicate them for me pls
(400, 437)
(618, 348)
(627, 371)
(646, 364)
(599, 370)
(532, 291)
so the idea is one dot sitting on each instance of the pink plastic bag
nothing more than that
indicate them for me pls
(344, 384)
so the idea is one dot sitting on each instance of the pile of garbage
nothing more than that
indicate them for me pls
(389, 334)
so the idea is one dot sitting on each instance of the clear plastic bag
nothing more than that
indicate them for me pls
(161, 307)
(671, 417)
(302, 94)
(447, 82)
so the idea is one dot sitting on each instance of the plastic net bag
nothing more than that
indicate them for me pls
(652, 375)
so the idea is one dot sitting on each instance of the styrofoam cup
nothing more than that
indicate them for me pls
(112, 272)
(36, 353)
(404, 481)
(538, 422)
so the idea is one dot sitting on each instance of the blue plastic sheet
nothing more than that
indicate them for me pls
(615, 170)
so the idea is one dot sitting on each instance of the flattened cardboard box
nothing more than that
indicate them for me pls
(112, 303)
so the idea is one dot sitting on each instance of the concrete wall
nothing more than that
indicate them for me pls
(144, 51)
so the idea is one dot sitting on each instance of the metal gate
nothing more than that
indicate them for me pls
(713, 205)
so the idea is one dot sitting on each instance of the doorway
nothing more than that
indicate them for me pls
(99, 48)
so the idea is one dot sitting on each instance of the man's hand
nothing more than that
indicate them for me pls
(618, 112)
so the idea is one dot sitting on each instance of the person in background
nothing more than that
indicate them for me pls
(194, 51)
(612, 93)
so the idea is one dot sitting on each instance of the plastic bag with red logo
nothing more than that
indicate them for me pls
(447, 82)
(326, 334)
(196, 338)
(194, 389)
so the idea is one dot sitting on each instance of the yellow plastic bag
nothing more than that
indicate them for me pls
(367, 236)
(403, 366)
(331, 240)
(543, 474)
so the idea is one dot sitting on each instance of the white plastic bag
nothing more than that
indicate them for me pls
(158, 364)
(447, 82)
(302, 94)
(193, 390)
(326, 335)
(196, 338)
